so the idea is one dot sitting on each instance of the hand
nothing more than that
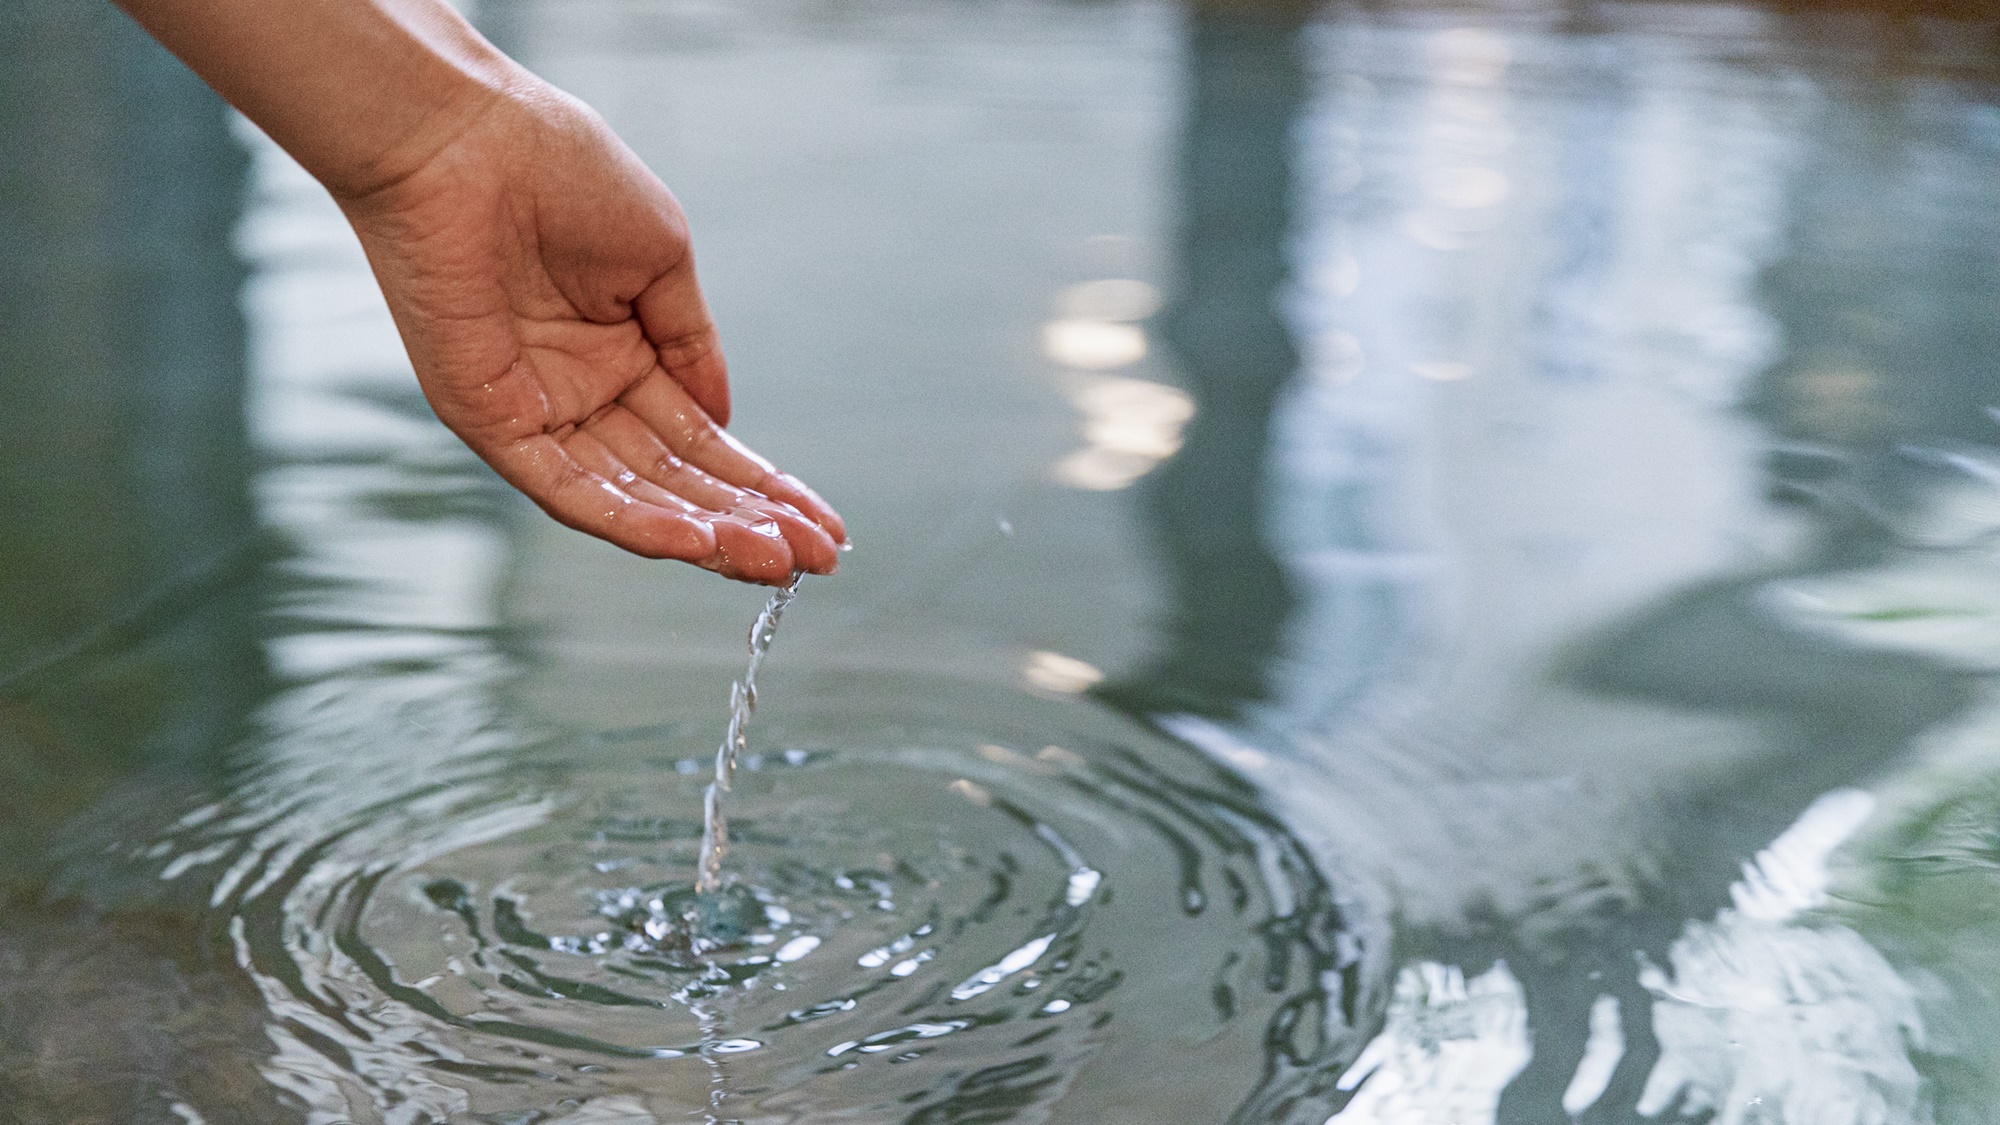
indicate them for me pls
(539, 274)
(542, 281)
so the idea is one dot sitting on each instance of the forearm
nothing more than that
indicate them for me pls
(360, 92)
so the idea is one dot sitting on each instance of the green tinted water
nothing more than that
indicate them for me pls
(1419, 564)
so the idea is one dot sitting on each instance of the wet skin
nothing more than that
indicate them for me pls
(541, 278)
(539, 274)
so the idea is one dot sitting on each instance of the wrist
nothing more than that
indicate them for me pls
(441, 80)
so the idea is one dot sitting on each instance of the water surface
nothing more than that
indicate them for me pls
(1416, 564)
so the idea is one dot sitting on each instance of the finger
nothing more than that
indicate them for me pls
(784, 486)
(746, 545)
(750, 545)
(676, 321)
(671, 412)
(636, 445)
(590, 502)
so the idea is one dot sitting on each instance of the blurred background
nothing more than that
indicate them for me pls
(1474, 524)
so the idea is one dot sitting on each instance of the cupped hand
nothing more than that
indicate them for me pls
(542, 281)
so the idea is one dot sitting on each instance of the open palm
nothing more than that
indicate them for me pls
(542, 281)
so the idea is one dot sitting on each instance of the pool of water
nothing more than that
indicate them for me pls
(1420, 563)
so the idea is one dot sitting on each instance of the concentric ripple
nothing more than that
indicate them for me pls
(935, 927)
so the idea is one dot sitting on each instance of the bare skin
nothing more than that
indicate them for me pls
(539, 274)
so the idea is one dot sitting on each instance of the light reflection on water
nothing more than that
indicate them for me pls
(1414, 567)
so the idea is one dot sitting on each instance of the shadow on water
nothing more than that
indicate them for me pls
(129, 648)
(1245, 81)
(127, 475)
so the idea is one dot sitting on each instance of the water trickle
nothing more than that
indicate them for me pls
(742, 702)
(709, 918)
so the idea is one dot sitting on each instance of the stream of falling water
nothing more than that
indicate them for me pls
(742, 701)
(706, 913)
